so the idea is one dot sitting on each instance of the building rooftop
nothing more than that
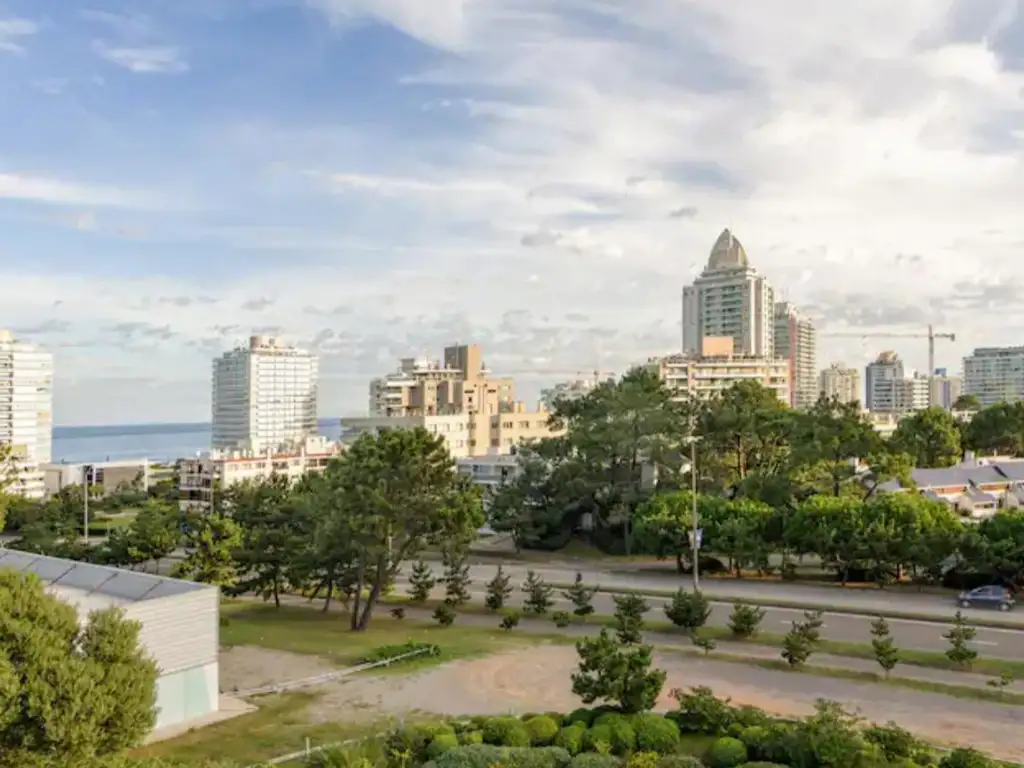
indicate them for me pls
(727, 253)
(92, 587)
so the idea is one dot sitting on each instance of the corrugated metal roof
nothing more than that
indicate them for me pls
(1011, 470)
(976, 494)
(86, 579)
(956, 476)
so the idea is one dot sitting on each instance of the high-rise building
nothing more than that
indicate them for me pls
(26, 414)
(264, 396)
(881, 392)
(716, 369)
(946, 389)
(730, 299)
(995, 375)
(840, 382)
(796, 342)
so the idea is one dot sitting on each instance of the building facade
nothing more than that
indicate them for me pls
(718, 369)
(840, 382)
(569, 390)
(945, 389)
(881, 388)
(264, 396)
(730, 299)
(201, 477)
(26, 413)
(111, 475)
(796, 342)
(995, 375)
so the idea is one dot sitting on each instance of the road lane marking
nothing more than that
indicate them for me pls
(983, 642)
(785, 621)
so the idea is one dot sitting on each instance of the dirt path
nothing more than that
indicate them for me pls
(244, 667)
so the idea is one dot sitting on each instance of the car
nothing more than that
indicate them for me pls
(992, 596)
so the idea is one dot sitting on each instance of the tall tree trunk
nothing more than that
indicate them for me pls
(277, 590)
(330, 592)
(371, 600)
(679, 563)
(360, 583)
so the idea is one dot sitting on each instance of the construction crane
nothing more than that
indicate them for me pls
(931, 335)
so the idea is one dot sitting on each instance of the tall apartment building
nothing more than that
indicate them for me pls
(717, 368)
(429, 388)
(264, 396)
(730, 299)
(889, 388)
(945, 389)
(840, 382)
(569, 390)
(796, 342)
(26, 414)
(995, 375)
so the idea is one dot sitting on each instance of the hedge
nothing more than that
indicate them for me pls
(727, 752)
(570, 738)
(655, 734)
(542, 730)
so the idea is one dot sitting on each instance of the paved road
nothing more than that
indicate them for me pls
(909, 634)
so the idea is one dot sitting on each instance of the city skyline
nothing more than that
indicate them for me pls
(371, 181)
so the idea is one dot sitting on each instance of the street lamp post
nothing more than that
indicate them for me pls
(86, 472)
(694, 517)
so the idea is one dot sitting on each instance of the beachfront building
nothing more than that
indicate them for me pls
(26, 414)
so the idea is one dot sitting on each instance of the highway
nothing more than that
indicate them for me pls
(908, 634)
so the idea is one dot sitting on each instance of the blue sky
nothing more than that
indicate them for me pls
(378, 178)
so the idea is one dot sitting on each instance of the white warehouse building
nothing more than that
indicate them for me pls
(180, 625)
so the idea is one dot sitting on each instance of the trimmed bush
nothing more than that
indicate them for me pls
(597, 735)
(966, 757)
(896, 743)
(748, 716)
(542, 730)
(506, 732)
(655, 734)
(582, 715)
(679, 761)
(471, 737)
(590, 760)
(570, 738)
(607, 718)
(757, 764)
(487, 756)
(643, 759)
(701, 712)
(727, 752)
(441, 744)
(623, 737)
(538, 757)
(471, 756)
(754, 738)
(415, 739)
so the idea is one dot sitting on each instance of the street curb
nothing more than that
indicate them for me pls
(800, 605)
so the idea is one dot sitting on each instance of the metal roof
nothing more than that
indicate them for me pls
(1011, 470)
(87, 580)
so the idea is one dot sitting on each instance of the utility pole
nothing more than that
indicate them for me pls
(86, 473)
(694, 517)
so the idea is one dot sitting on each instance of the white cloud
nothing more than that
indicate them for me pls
(13, 33)
(144, 60)
(439, 22)
(41, 189)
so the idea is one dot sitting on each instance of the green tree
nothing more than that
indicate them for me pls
(829, 439)
(886, 653)
(745, 620)
(538, 594)
(398, 491)
(271, 536)
(629, 617)
(210, 543)
(621, 674)
(998, 429)
(153, 535)
(581, 596)
(967, 403)
(930, 437)
(663, 524)
(812, 624)
(499, 589)
(688, 610)
(68, 691)
(456, 577)
(959, 637)
(421, 582)
(796, 646)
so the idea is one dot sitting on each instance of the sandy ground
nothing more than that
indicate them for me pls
(538, 679)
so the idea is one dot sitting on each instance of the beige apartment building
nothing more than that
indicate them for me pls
(717, 368)
(840, 382)
(796, 342)
(456, 398)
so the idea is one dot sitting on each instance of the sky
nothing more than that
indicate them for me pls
(375, 179)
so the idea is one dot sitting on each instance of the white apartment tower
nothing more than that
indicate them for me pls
(264, 396)
(840, 382)
(730, 299)
(995, 375)
(26, 414)
(796, 342)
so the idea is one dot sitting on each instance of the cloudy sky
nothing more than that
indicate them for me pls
(377, 178)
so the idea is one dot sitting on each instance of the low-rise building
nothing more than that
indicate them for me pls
(208, 473)
(110, 475)
(976, 488)
(717, 369)
(489, 471)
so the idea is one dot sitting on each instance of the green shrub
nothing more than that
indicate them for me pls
(748, 716)
(382, 652)
(595, 736)
(528, 716)
(471, 737)
(775, 744)
(655, 734)
(642, 759)
(441, 744)
(757, 764)
(542, 730)
(679, 761)
(538, 757)
(472, 756)
(506, 732)
(590, 760)
(754, 738)
(415, 739)
(623, 737)
(607, 718)
(570, 738)
(700, 712)
(966, 757)
(726, 753)
(581, 715)
(896, 743)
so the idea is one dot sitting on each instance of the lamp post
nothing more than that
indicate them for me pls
(86, 478)
(695, 530)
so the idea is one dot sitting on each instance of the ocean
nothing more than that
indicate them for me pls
(156, 442)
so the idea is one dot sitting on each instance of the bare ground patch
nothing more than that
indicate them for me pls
(244, 667)
(538, 679)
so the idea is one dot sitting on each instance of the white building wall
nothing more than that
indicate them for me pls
(995, 375)
(181, 631)
(26, 411)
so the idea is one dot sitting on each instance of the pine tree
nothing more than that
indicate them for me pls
(812, 624)
(745, 620)
(581, 596)
(886, 653)
(688, 610)
(959, 635)
(538, 594)
(498, 590)
(456, 578)
(629, 617)
(796, 646)
(421, 582)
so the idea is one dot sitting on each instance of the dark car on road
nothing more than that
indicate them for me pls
(993, 596)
